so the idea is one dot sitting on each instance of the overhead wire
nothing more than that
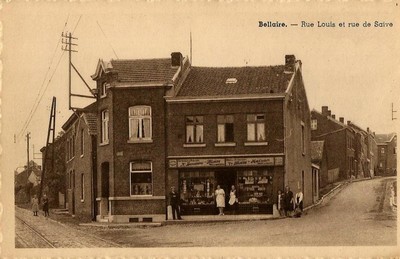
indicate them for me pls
(37, 101)
(109, 43)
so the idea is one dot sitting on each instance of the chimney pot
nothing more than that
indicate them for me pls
(341, 119)
(290, 60)
(324, 110)
(176, 59)
(329, 112)
(348, 122)
(333, 116)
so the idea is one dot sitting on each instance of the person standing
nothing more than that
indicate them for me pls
(233, 201)
(220, 199)
(298, 200)
(289, 206)
(46, 205)
(174, 201)
(280, 203)
(35, 205)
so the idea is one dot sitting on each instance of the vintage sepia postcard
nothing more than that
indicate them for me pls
(199, 129)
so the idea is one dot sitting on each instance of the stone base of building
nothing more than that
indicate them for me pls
(131, 218)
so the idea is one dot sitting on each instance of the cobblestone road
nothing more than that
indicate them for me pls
(59, 235)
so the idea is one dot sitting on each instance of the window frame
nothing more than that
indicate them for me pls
(225, 119)
(144, 171)
(82, 142)
(303, 138)
(82, 187)
(256, 124)
(141, 119)
(382, 150)
(105, 129)
(194, 124)
(103, 90)
(314, 124)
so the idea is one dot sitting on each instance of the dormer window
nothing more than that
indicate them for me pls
(231, 80)
(103, 90)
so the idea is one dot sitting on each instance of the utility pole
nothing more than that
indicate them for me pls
(393, 112)
(67, 39)
(27, 151)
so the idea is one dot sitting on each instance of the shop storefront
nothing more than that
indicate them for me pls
(256, 180)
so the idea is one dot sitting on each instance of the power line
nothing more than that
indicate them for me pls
(30, 114)
(36, 104)
(109, 43)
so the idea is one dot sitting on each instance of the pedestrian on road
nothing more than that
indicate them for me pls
(174, 201)
(35, 205)
(289, 204)
(220, 199)
(46, 205)
(298, 201)
(280, 203)
(233, 200)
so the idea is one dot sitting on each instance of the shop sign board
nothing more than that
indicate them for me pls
(250, 161)
(201, 162)
(229, 162)
(278, 160)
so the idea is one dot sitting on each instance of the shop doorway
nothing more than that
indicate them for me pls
(225, 179)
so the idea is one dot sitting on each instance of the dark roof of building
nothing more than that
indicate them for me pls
(317, 149)
(91, 121)
(212, 81)
(383, 138)
(91, 108)
(143, 70)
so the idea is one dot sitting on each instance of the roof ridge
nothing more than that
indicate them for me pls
(230, 67)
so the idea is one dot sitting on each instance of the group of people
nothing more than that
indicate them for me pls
(289, 205)
(35, 205)
(174, 201)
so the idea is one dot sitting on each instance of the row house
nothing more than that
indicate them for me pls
(319, 158)
(362, 167)
(387, 154)
(339, 142)
(163, 123)
(81, 160)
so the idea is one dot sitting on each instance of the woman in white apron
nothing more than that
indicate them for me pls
(220, 199)
(233, 201)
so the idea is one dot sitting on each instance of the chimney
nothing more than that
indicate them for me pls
(348, 122)
(341, 119)
(325, 110)
(368, 129)
(329, 112)
(290, 60)
(176, 59)
(333, 116)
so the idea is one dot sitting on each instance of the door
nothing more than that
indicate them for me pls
(105, 186)
(225, 179)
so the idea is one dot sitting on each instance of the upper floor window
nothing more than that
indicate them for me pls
(194, 129)
(225, 128)
(105, 117)
(103, 90)
(256, 127)
(303, 138)
(383, 150)
(313, 124)
(82, 141)
(140, 123)
(141, 178)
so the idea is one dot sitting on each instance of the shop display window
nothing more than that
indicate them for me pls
(141, 178)
(197, 188)
(254, 186)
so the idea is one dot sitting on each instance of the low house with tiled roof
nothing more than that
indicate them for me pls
(319, 157)
(80, 140)
(247, 127)
(339, 141)
(387, 154)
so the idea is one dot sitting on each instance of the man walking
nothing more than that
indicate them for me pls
(174, 201)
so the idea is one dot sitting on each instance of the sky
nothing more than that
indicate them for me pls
(354, 71)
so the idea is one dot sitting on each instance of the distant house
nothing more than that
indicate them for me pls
(339, 142)
(27, 182)
(81, 162)
(387, 154)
